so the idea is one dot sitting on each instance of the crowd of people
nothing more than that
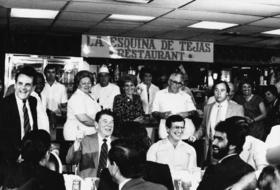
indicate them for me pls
(239, 130)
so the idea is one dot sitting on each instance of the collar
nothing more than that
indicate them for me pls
(123, 183)
(224, 103)
(54, 83)
(227, 156)
(178, 144)
(100, 139)
(20, 101)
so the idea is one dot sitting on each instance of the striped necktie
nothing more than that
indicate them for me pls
(103, 157)
(26, 123)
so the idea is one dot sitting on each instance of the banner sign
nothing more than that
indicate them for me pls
(146, 48)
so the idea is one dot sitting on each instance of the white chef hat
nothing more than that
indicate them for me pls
(103, 69)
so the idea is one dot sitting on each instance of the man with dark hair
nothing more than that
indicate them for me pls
(32, 173)
(127, 165)
(91, 151)
(179, 155)
(147, 90)
(19, 113)
(54, 95)
(228, 141)
(215, 112)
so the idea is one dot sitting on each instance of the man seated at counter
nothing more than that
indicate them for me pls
(91, 152)
(228, 140)
(180, 156)
(172, 100)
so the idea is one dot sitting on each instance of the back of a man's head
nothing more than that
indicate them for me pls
(129, 160)
(136, 134)
(236, 130)
(35, 145)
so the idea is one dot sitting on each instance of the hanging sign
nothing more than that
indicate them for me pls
(146, 48)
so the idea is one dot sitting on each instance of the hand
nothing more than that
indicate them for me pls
(250, 120)
(192, 138)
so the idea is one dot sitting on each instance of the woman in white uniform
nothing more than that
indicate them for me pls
(81, 108)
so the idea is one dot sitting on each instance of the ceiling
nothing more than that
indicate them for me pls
(172, 18)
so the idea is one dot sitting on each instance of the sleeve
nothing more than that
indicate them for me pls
(156, 102)
(151, 154)
(260, 155)
(42, 117)
(64, 97)
(73, 157)
(117, 107)
(139, 107)
(190, 104)
(193, 160)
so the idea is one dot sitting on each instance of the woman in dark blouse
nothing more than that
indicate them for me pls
(255, 111)
(127, 106)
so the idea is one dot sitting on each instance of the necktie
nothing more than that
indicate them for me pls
(219, 113)
(103, 157)
(148, 94)
(26, 123)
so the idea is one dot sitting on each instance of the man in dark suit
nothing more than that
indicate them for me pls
(227, 144)
(126, 165)
(87, 151)
(32, 171)
(154, 172)
(18, 113)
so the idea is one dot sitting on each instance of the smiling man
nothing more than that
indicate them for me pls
(172, 100)
(173, 151)
(227, 144)
(91, 151)
(19, 112)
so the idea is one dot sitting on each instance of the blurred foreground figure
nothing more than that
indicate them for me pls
(269, 178)
(126, 166)
(32, 173)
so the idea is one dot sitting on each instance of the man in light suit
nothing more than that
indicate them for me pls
(215, 112)
(86, 152)
(126, 166)
(19, 113)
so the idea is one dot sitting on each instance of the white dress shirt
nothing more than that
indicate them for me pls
(41, 117)
(54, 95)
(214, 116)
(182, 157)
(180, 102)
(143, 92)
(105, 95)
(100, 142)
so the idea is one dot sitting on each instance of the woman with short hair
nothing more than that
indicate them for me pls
(81, 108)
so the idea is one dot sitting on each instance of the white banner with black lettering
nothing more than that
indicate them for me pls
(146, 48)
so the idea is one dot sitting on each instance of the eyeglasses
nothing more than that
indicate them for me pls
(178, 128)
(176, 82)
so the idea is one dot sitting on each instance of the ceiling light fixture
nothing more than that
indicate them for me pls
(135, 18)
(135, 1)
(212, 25)
(33, 13)
(274, 32)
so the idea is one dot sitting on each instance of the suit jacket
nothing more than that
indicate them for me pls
(233, 109)
(34, 176)
(141, 184)
(10, 126)
(153, 172)
(87, 156)
(224, 174)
